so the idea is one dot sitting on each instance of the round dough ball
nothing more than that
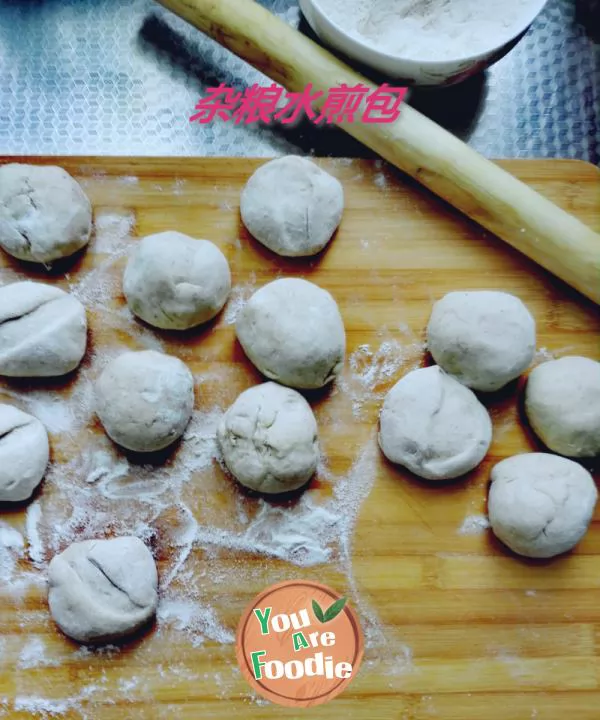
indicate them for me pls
(43, 331)
(562, 401)
(433, 425)
(44, 213)
(540, 505)
(293, 332)
(145, 400)
(484, 338)
(24, 454)
(175, 282)
(103, 590)
(292, 206)
(268, 439)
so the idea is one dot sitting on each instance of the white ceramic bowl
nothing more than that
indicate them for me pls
(411, 71)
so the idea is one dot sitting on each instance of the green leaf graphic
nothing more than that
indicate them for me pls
(335, 609)
(317, 611)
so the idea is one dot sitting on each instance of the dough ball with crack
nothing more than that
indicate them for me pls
(433, 425)
(483, 338)
(145, 400)
(44, 213)
(292, 206)
(562, 401)
(540, 505)
(102, 590)
(43, 330)
(175, 282)
(268, 439)
(292, 331)
(24, 454)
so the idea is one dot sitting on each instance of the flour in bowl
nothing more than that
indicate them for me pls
(429, 29)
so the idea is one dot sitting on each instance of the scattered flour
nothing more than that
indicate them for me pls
(11, 550)
(380, 181)
(239, 296)
(36, 547)
(95, 288)
(373, 371)
(185, 508)
(126, 686)
(178, 186)
(199, 622)
(542, 355)
(128, 180)
(42, 707)
(414, 28)
(34, 655)
(474, 525)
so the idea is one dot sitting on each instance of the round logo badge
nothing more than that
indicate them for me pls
(299, 643)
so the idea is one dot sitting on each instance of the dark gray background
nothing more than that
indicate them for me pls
(122, 77)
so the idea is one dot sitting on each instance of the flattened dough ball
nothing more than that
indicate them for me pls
(483, 338)
(44, 213)
(292, 206)
(24, 454)
(433, 425)
(293, 332)
(43, 331)
(268, 439)
(103, 590)
(540, 505)
(175, 282)
(562, 401)
(145, 400)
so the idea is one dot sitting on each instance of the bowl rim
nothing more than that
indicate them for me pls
(360, 45)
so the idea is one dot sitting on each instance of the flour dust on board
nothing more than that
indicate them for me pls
(208, 536)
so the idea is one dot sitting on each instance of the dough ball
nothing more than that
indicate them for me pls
(540, 505)
(44, 213)
(145, 400)
(24, 454)
(562, 401)
(293, 332)
(484, 338)
(175, 282)
(102, 590)
(292, 206)
(268, 439)
(433, 425)
(43, 331)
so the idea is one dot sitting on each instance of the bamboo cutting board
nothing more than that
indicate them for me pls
(456, 626)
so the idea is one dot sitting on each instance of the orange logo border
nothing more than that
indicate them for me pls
(243, 654)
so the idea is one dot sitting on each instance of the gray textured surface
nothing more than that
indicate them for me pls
(122, 77)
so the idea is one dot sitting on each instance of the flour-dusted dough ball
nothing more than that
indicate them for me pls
(44, 213)
(292, 206)
(145, 400)
(484, 338)
(540, 505)
(268, 439)
(103, 590)
(175, 282)
(24, 454)
(562, 401)
(293, 332)
(43, 331)
(433, 425)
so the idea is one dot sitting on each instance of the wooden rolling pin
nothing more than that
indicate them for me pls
(476, 186)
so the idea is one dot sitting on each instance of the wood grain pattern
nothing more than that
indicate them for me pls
(414, 143)
(492, 636)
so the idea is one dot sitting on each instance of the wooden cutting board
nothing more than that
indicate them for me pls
(457, 627)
